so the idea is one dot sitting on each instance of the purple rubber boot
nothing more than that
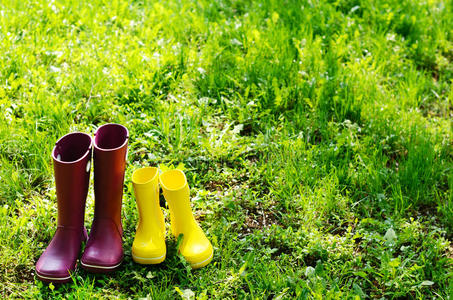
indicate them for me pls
(71, 162)
(104, 249)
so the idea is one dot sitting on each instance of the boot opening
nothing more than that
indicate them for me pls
(173, 179)
(144, 175)
(111, 136)
(72, 147)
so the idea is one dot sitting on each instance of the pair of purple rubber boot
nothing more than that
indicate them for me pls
(72, 160)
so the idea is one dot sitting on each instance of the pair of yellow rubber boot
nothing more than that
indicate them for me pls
(149, 243)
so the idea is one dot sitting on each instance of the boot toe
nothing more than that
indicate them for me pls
(148, 254)
(58, 261)
(197, 251)
(148, 250)
(104, 251)
(101, 259)
(54, 269)
(201, 259)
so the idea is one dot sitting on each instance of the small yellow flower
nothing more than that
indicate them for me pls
(275, 17)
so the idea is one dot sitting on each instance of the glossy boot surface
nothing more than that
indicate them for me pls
(195, 247)
(149, 242)
(104, 251)
(71, 160)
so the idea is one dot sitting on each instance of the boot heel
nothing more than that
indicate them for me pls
(84, 234)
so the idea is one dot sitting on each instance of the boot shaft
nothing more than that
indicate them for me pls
(176, 192)
(146, 190)
(110, 149)
(71, 161)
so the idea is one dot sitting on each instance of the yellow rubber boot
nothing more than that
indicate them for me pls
(195, 247)
(149, 242)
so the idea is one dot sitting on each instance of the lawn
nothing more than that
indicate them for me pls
(316, 137)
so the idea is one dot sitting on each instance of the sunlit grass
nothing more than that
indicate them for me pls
(316, 137)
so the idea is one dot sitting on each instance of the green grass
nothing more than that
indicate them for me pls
(316, 137)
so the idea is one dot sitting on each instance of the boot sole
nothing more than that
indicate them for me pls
(148, 260)
(100, 269)
(53, 279)
(50, 279)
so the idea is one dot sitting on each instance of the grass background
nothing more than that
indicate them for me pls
(316, 137)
